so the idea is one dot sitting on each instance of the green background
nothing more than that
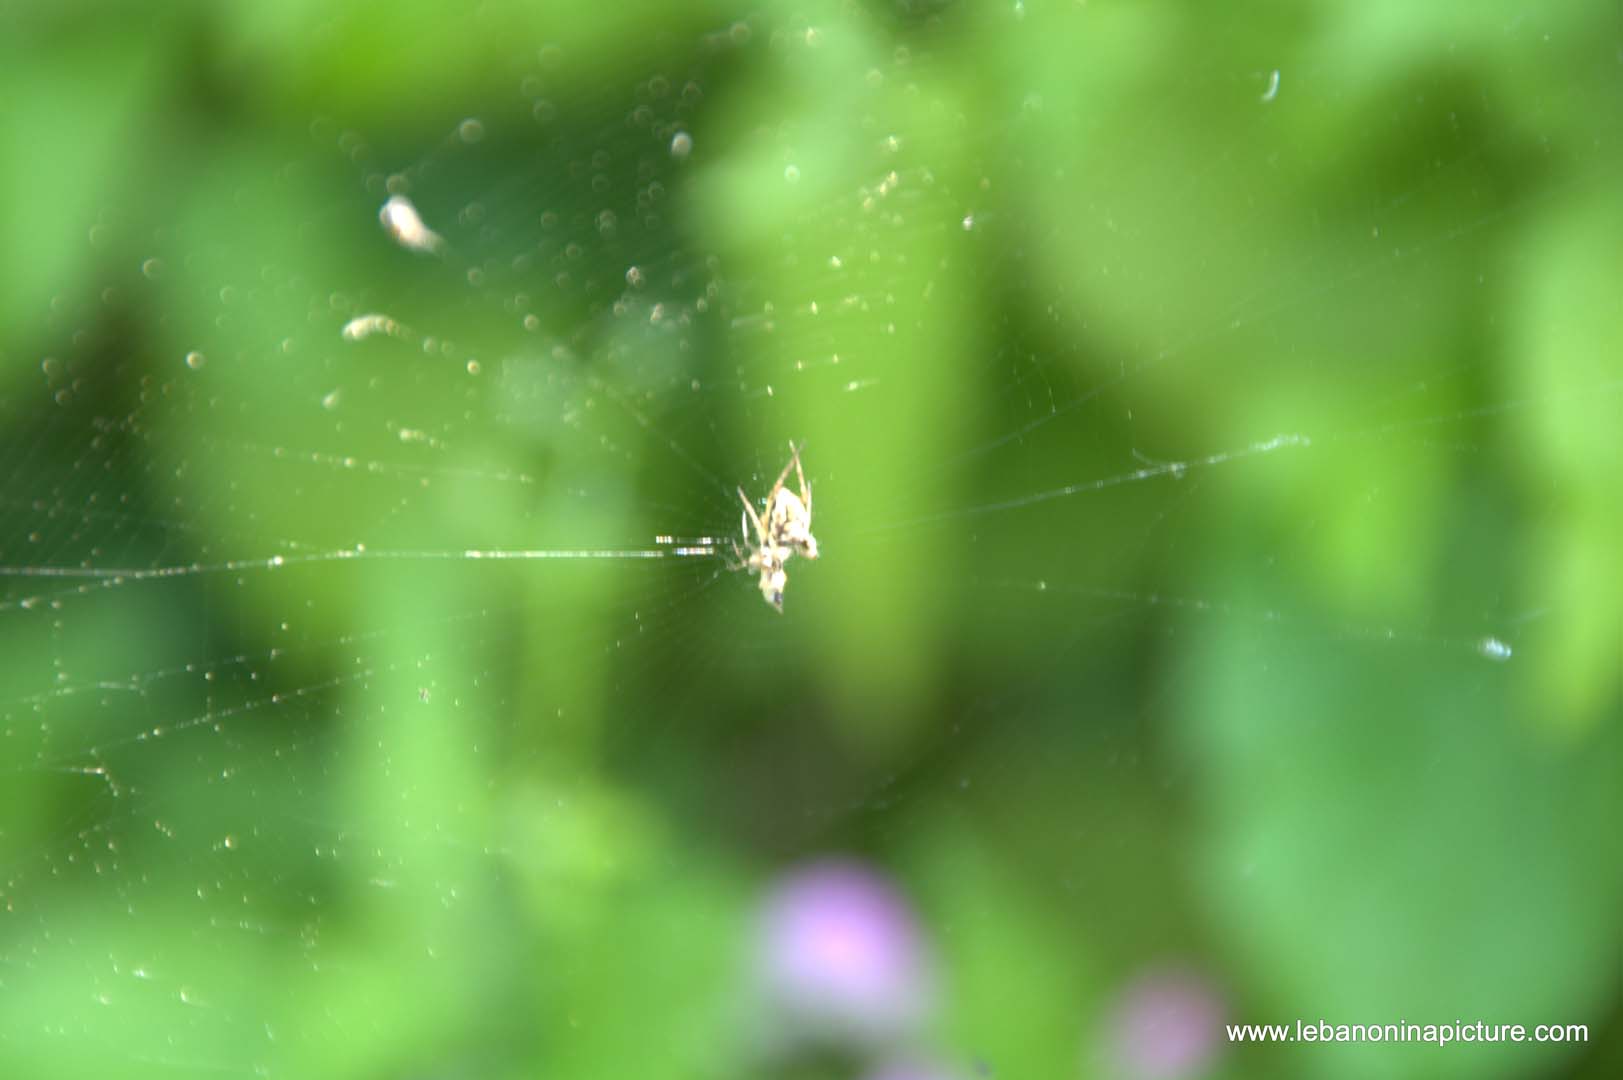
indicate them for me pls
(1191, 449)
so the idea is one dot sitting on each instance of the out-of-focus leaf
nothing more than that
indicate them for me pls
(1566, 385)
(71, 189)
(1399, 848)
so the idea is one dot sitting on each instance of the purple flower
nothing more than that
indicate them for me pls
(1165, 1026)
(840, 956)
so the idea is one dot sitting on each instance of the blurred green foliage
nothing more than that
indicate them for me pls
(1101, 671)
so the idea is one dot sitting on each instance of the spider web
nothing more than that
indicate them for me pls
(365, 597)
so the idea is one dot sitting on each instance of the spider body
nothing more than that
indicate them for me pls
(784, 531)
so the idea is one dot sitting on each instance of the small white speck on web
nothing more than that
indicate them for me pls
(681, 145)
(364, 326)
(401, 220)
(1272, 92)
(1491, 648)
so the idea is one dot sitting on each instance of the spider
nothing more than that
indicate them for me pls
(785, 531)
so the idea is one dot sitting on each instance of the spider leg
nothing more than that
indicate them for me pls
(760, 530)
(737, 560)
(805, 488)
(794, 463)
